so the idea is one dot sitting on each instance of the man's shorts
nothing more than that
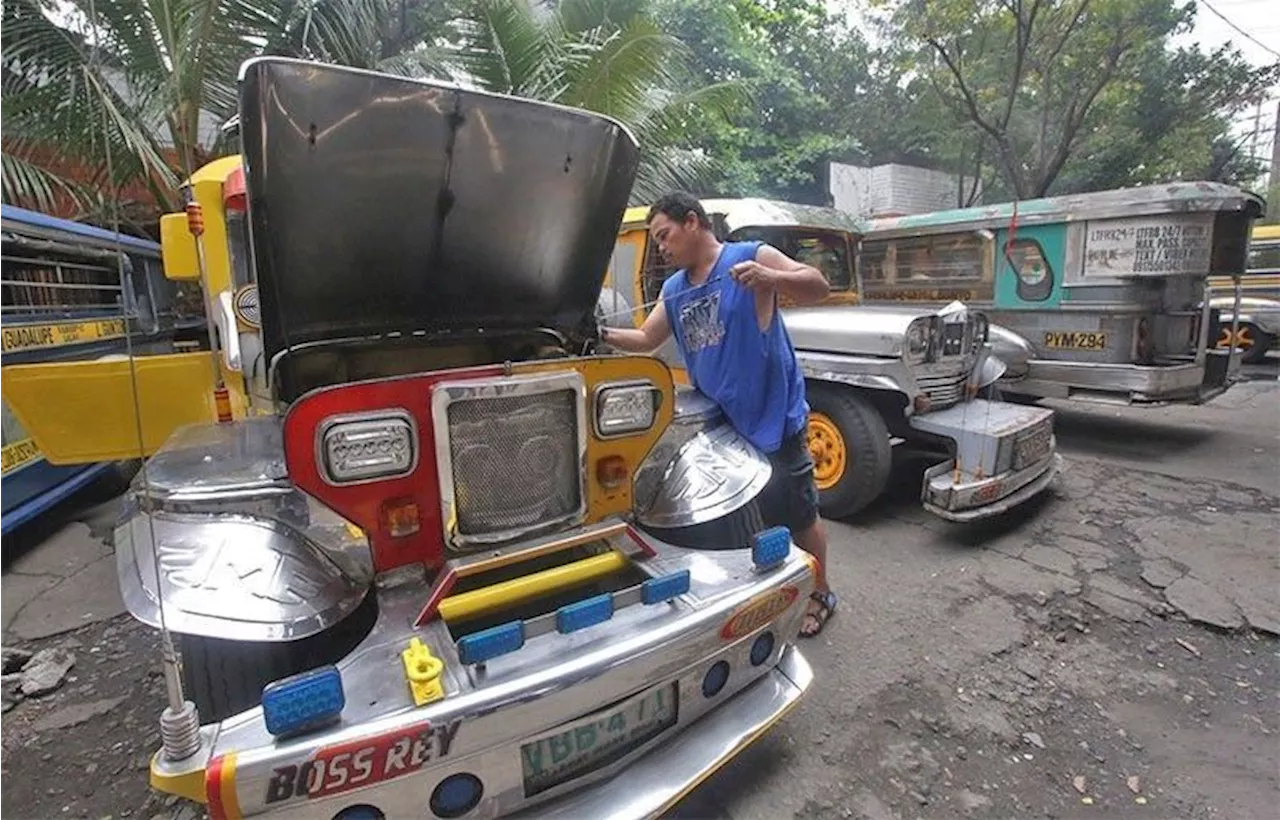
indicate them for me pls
(791, 498)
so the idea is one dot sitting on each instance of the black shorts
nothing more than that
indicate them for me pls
(791, 498)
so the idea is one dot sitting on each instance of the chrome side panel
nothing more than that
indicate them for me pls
(242, 554)
(241, 577)
(701, 468)
(858, 371)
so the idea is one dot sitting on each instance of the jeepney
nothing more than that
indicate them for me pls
(1101, 296)
(1257, 326)
(454, 561)
(874, 374)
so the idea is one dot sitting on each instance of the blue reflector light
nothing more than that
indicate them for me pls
(770, 547)
(456, 795)
(582, 614)
(479, 647)
(304, 701)
(362, 811)
(762, 648)
(665, 587)
(717, 676)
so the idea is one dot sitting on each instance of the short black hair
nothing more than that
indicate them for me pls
(676, 206)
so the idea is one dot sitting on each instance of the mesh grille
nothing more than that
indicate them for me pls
(515, 461)
(943, 391)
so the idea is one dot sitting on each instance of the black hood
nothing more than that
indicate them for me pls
(380, 204)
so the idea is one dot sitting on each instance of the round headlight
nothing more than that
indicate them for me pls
(918, 338)
(456, 795)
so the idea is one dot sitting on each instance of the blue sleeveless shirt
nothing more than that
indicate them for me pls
(752, 375)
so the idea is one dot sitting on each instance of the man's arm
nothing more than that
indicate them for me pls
(772, 270)
(646, 339)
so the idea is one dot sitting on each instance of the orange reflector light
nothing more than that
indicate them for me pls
(400, 517)
(611, 471)
(923, 403)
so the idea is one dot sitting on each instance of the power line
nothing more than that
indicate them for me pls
(1246, 34)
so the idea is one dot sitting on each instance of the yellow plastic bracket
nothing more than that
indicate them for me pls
(423, 671)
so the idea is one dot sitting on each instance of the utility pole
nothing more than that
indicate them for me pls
(1273, 173)
(1274, 177)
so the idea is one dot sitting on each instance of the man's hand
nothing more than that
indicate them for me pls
(751, 274)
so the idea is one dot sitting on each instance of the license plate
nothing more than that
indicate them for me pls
(1031, 448)
(596, 741)
(1075, 340)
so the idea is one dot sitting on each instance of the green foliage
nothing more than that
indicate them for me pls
(806, 71)
(606, 56)
(118, 89)
(1067, 95)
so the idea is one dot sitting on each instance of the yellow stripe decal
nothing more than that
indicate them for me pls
(36, 337)
(519, 590)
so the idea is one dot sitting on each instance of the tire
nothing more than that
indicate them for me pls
(856, 475)
(223, 678)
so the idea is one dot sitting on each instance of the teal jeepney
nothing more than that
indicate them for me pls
(1100, 296)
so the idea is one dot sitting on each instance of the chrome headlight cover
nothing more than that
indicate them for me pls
(360, 448)
(625, 408)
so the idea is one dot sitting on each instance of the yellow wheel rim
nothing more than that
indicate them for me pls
(826, 447)
(1243, 338)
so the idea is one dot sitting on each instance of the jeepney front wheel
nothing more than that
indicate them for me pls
(1253, 343)
(223, 678)
(849, 444)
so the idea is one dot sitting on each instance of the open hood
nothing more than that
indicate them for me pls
(380, 204)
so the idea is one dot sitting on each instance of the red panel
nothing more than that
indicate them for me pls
(233, 190)
(360, 503)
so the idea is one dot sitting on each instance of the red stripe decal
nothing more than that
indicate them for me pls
(213, 789)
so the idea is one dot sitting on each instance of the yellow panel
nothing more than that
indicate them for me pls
(602, 502)
(178, 248)
(515, 591)
(83, 412)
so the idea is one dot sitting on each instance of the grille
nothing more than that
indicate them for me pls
(943, 391)
(515, 462)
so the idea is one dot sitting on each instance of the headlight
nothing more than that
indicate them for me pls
(367, 447)
(625, 408)
(918, 339)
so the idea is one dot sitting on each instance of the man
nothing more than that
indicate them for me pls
(721, 305)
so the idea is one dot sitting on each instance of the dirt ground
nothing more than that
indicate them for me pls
(1108, 652)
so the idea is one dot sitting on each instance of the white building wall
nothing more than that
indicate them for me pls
(893, 189)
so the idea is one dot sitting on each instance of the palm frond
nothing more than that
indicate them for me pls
(29, 185)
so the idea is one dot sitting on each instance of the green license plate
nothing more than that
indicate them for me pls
(596, 741)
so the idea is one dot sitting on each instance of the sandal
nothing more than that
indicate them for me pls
(826, 608)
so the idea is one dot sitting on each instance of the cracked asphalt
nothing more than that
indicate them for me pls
(1110, 650)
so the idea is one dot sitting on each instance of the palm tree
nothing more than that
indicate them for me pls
(111, 100)
(605, 56)
(103, 98)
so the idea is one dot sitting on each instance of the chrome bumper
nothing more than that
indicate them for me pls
(964, 497)
(556, 685)
(988, 474)
(654, 784)
(1188, 383)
